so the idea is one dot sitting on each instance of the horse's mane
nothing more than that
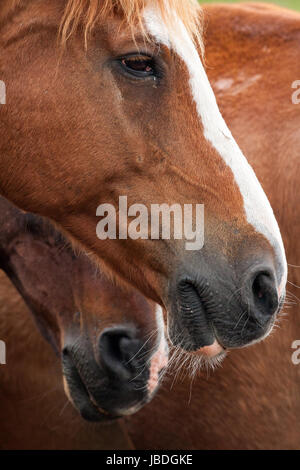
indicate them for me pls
(89, 12)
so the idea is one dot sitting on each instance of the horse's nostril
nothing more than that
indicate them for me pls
(119, 350)
(65, 351)
(265, 296)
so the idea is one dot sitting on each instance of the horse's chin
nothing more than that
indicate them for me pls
(89, 409)
(83, 402)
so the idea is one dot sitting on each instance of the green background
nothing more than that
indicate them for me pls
(295, 4)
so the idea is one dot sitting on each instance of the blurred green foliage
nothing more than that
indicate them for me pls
(295, 4)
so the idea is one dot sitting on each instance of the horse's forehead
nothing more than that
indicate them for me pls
(174, 35)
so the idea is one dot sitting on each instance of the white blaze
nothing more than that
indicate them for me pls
(257, 207)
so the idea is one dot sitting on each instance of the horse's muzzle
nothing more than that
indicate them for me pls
(115, 381)
(214, 310)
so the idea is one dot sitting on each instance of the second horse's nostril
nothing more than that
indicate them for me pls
(119, 349)
(128, 349)
(265, 294)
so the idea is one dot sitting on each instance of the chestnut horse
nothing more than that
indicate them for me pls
(253, 402)
(110, 98)
(34, 410)
(111, 354)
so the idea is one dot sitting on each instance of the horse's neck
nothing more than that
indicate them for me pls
(23, 342)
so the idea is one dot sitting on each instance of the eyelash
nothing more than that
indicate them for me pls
(140, 60)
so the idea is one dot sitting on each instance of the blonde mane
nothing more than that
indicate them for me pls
(87, 13)
(90, 12)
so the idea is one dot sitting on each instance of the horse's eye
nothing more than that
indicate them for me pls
(139, 66)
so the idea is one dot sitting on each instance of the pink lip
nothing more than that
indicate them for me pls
(212, 350)
(158, 362)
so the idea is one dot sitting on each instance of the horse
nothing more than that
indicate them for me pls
(107, 359)
(252, 402)
(108, 99)
(35, 413)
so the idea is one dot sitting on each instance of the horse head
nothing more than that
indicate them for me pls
(124, 108)
(110, 340)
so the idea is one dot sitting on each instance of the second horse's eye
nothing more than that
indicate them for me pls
(139, 66)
